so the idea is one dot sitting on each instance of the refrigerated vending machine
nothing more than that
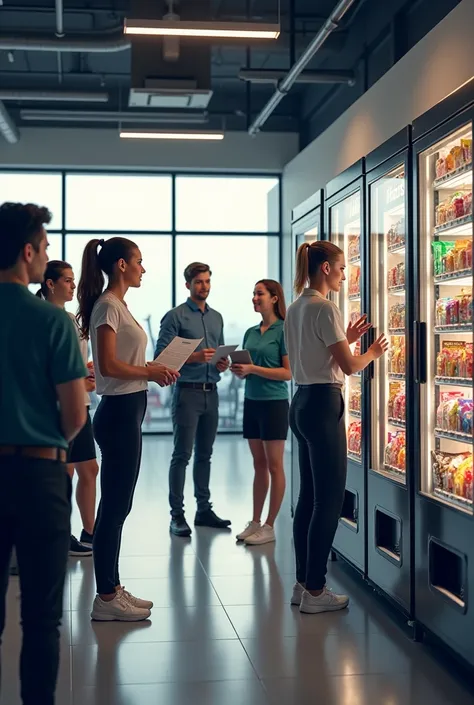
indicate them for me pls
(307, 226)
(390, 467)
(344, 218)
(444, 546)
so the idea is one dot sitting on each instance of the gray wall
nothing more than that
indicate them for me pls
(95, 148)
(441, 62)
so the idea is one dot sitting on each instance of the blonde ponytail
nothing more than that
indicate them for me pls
(309, 258)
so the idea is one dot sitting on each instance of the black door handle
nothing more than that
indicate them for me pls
(420, 343)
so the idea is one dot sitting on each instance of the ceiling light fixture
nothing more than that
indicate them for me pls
(144, 135)
(222, 30)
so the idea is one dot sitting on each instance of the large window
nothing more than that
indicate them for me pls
(230, 222)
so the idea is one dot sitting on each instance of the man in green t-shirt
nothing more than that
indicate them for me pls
(41, 410)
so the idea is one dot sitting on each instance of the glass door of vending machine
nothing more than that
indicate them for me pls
(446, 233)
(306, 229)
(388, 301)
(346, 234)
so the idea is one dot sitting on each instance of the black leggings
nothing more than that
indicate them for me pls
(317, 420)
(118, 431)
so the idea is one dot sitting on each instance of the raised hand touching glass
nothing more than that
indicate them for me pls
(356, 330)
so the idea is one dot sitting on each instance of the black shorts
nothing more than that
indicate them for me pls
(266, 420)
(82, 448)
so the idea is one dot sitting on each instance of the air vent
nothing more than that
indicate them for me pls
(170, 93)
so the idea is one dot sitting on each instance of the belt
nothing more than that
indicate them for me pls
(39, 452)
(201, 386)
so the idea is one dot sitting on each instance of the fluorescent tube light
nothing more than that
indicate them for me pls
(125, 134)
(223, 30)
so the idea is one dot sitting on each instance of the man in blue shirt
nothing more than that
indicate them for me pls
(195, 405)
(41, 410)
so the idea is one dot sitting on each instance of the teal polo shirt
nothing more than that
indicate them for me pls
(266, 350)
(39, 349)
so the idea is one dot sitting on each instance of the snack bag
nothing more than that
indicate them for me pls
(440, 167)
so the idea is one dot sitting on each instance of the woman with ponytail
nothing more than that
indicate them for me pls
(122, 376)
(58, 288)
(320, 356)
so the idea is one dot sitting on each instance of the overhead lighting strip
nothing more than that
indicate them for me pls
(157, 135)
(221, 30)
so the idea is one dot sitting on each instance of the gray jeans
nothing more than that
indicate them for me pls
(195, 415)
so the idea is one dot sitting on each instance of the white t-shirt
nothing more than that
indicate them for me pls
(312, 324)
(130, 345)
(84, 348)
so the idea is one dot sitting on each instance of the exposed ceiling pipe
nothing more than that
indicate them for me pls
(54, 96)
(285, 85)
(274, 75)
(118, 116)
(7, 127)
(95, 46)
(59, 34)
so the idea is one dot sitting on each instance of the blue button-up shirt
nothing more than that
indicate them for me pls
(188, 321)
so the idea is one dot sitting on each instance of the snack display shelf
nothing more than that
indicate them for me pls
(354, 260)
(453, 179)
(396, 422)
(398, 249)
(453, 227)
(453, 435)
(354, 456)
(454, 328)
(396, 375)
(392, 470)
(396, 331)
(463, 277)
(357, 374)
(355, 412)
(398, 290)
(354, 297)
(457, 500)
(454, 381)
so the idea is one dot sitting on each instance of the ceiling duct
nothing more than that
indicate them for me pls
(83, 116)
(7, 127)
(157, 82)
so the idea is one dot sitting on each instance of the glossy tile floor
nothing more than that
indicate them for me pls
(222, 631)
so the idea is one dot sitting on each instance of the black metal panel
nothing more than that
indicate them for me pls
(307, 206)
(444, 110)
(350, 541)
(389, 149)
(344, 179)
(442, 616)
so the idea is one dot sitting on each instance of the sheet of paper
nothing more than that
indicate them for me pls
(241, 357)
(177, 352)
(222, 352)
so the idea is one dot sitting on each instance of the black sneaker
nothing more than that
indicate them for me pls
(180, 527)
(86, 539)
(210, 518)
(77, 549)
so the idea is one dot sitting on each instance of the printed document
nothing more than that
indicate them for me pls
(177, 352)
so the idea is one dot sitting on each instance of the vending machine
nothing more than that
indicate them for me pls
(307, 226)
(345, 218)
(389, 289)
(443, 389)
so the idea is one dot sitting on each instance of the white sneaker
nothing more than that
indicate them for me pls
(266, 534)
(250, 529)
(119, 609)
(298, 591)
(327, 601)
(137, 601)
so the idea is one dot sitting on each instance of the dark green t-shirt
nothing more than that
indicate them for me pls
(266, 350)
(38, 350)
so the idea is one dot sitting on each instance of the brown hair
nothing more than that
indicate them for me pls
(20, 224)
(195, 268)
(54, 271)
(310, 257)
(274, 288)
(96, 263)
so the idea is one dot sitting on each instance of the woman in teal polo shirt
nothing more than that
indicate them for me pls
(266, 407)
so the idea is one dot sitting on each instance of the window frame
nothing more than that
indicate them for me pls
(174, 233)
